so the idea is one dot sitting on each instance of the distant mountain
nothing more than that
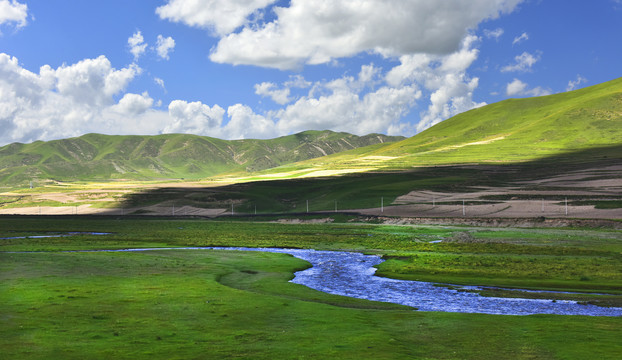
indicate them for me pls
(106, 157)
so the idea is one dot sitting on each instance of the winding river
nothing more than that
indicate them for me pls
(352, 274)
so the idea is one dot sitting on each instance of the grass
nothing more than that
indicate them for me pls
(206, 304)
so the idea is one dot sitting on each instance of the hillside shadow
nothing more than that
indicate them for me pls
(368, 190)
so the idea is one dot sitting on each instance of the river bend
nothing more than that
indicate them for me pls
(352, 274)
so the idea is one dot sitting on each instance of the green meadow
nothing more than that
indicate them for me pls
(184, 304)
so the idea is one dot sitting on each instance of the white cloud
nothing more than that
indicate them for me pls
(574, 84)
(200, 119)
(279, 96)
(346, 110)
(317, 32)
(68, 101)
(194, 118)
(164, 46)
(137, 44)
(245, 124)
(223, 17)
(519, 39)
(493, 34)
(159, 82)
(13, 12)
(444, 77)
(133, 104)
(359, 105)
(93, 81)
(517, 87)
(297, 81)
(522, 62)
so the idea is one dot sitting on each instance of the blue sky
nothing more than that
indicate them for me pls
(265, 68)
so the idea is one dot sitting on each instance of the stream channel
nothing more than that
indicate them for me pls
(352, 274)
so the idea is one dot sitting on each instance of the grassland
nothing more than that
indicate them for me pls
(592, 186)
(203, 304)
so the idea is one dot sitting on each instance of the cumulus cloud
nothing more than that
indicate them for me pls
(574, 84)
(317, 32)
(92, 81)
(522, 62)
(516, 87)
(133, 104)
(68, 101)
(345, 109)
(137, 45)
(445, 79)
(246, 124)
(359, 104)
(269, 89)
(222, 17)
(164, 46)
(200, 119)
(519, 39)
(13, 12)
(519, 88)
(194, 118)
(297, 81)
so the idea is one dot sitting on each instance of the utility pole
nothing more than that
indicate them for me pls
(463, 209)
(566, 206)
(382, 204)
(307, 206)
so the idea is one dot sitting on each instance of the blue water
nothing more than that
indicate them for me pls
(53, 236)
(352, 274)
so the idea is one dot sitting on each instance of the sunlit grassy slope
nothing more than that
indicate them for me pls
(103, 157)
(510, 131)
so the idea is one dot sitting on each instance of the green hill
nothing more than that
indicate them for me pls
(518, 130)
(105, 157)
(586, 121)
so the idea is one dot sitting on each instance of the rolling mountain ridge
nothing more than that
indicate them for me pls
(107, 157)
